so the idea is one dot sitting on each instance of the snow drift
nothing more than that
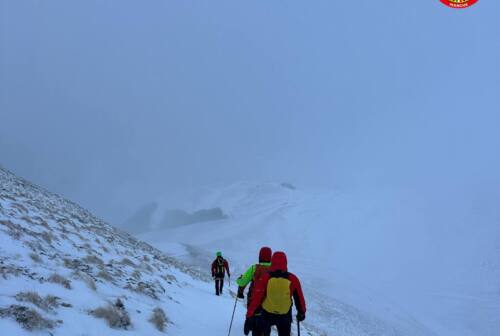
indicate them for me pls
(379, 262)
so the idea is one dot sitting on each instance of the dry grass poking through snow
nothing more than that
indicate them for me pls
(89, 281)
(28, 318)
(116, 315)
(49, 303)
(59, 279)
(159, 319)
(103, 274)
(35, 257)
(66, 245)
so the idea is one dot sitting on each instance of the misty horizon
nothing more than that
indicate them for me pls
(116, 106)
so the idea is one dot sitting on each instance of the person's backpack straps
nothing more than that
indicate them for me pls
(220, 266)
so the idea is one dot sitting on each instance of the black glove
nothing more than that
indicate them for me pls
(240, 293)
(248, 325)
(301, 317)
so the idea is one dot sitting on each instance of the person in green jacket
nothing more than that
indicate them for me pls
(254, 272)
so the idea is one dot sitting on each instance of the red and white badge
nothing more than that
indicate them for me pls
(459, 3)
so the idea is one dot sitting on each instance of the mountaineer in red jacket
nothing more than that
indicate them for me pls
(219, 267)
(271, 302)
(254, 273)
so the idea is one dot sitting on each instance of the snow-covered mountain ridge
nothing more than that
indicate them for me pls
(66, 272)
(62, 270)
(379, 262)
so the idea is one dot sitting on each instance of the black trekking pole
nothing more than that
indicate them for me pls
(298, 327)
(232, 317)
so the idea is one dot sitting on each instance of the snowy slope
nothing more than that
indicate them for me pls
(371, 264)
(355, 263)
(42, 234)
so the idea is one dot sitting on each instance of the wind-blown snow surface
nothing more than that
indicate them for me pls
(42, 234)
(383, 263)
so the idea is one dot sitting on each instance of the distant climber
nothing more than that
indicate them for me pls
(271, 302)
(254, 273)
(219, 267)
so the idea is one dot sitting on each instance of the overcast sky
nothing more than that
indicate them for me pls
(111, 103)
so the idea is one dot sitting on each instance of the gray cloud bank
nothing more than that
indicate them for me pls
(113, 103)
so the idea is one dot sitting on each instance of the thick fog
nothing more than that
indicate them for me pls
(112, 103)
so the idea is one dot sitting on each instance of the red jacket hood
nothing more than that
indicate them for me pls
(279, 262)
(265, 254)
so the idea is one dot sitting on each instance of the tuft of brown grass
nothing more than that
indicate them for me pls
(159, 319)
(59, 279)
(35, 257)
(103, 274)
(47, 236)
(127, 262)
(116, 315)
(136, 275)
(28, 318)
(92, 259)
(49, 303)
(89, 281)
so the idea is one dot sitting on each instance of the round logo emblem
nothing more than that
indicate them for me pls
(459, 3)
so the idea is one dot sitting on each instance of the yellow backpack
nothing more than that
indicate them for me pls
(278, 297)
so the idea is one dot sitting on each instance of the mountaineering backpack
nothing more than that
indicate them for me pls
(278, 297)
(260, 270)
(219, 266)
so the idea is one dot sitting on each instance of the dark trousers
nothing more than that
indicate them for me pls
(219, 283)
(264, 321)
